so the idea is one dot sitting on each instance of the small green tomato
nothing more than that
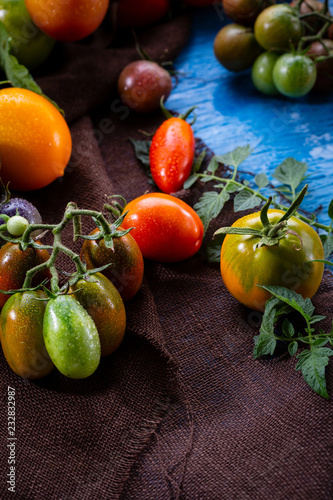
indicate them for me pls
(17, 225)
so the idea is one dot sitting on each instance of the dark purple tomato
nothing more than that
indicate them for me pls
(324, 81)
(141, 85)
(23, 207)
(243, 12)
(308, 6)
(236, 48)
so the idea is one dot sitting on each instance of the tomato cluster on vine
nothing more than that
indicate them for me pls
(288, 46)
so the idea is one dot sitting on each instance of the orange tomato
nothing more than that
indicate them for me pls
(35, 141)
(67, 20)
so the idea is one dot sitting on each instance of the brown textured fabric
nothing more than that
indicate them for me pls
(181, 410)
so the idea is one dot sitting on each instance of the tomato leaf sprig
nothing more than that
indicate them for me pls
(314, 357)
(17, 74)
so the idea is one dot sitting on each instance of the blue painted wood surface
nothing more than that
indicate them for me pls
(231, 112)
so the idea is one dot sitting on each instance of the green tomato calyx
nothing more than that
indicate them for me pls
(270, 234)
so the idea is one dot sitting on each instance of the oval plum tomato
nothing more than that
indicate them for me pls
(243, 266)
(68, 20)
(294, 75)
(102, 301)
(35, 141)
(171, 154)
(126, 269)
(236, 48)
(243, 12)
(142, 84)
(14, 263)
(71, 337)
(21, 333)
(166, 229)
(262, 73)
(29, 45)
(277, 27)
(324, 80)
(133, 14)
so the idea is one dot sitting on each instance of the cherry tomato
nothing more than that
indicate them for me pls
(100, 298)
(67, 20)
(324, 80)
(294, 75)
(126, 269)
(14, 263)
(166, 229)
(21, 333)
(277, 27)
(262, 73)
(35, 141)
(243, 12)
(132, 13)
(71, 337)
(29, 45)
(171, 154)
(243, 266)
(236, 48)
(142, 84)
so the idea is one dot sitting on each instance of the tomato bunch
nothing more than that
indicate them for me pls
(274, 40)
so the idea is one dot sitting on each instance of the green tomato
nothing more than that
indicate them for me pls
(294, 75)
(277, 27)
(17, 225)
(29, 45)
(71, 337)
(262, 73)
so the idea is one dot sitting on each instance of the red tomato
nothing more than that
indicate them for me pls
(171, 154)
(199, 3)
(67, 20)
(165, 228)
(132, 13)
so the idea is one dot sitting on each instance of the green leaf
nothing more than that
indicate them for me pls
(287, 328)
(198, 162)
(263, 344)
(235, 157)
(245, 201)
(190, 181)
(210, 205)
(269, 317)
(213, 249)
(233, 188)
(292, 348)
(330, 210)
(261, 180)
(312, 362)
(328, 246)
(213, 165)
(291, 172)
(142, 149)
(18, 74)
(316, 319)
(293, 299)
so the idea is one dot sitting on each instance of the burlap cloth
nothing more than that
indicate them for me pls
(181, 410)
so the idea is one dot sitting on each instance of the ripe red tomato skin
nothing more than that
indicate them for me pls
(132, 13)
(166, 228)
(243, 267)
(126, 270)
(68, 20)
(14, 264)
(171, 154)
